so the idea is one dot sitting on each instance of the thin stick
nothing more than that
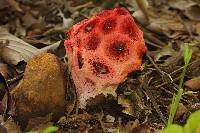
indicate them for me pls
(153, 101)
(143, 5)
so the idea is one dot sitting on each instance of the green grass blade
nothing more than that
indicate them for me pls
(173, 129)
(50, 129)
(187, 54)
(174, 106)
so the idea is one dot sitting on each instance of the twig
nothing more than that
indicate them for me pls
(143, 5)
(153, 44)
(146, 88)
(50, 47)
(153, 63)
(11, 81)
(162, 73)
(100, 120)
(89, 4)
(174, 72)
(153, 38)
(167, 82)
(181, 68)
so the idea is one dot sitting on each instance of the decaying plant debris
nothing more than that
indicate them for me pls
(142, 104)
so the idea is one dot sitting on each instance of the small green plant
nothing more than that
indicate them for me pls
(187, 54)
(192, 125)
(51, 129)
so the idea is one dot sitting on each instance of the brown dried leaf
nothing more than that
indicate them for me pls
(13, 49)
(190, 8)
(28, 19)
(165, 22)
(140, 17)
(181, 111)
(181, 4)
(193, 84)
(167, 26)
(15, 5)
(165, 51)
(193, 12)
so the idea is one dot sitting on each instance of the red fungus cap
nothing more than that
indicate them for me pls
(102, 51)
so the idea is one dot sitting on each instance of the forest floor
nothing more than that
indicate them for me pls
(28, 28)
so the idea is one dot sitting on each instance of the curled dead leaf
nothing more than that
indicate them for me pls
(166, 25)
(182, 109)
(193, 84)
(13, 49)
(189, 8)
(165, 51)
(193, 12)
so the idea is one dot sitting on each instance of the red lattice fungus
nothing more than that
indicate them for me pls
(102, 51)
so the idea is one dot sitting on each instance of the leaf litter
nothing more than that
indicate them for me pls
(32, 27)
